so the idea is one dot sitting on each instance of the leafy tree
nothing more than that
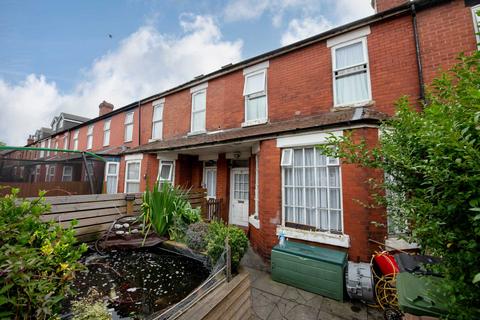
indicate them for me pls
(432, 157)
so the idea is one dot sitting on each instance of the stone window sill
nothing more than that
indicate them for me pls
(254, 221)
(339, 240)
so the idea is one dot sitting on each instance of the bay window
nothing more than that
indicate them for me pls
(351, 77)
(311, 190)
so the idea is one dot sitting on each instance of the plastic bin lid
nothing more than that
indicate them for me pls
(312, 252)
(419, 295)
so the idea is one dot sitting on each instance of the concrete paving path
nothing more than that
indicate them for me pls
(273, 300)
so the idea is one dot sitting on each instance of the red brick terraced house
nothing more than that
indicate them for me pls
(247, 132)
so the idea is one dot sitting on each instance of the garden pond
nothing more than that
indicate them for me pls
(140, 282)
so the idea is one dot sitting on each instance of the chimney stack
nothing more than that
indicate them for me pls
(31, 139)
(104, 108)
(383, 5)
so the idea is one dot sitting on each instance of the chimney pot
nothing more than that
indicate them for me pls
(104, 108)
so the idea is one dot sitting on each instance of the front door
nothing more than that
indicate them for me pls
(239, 196)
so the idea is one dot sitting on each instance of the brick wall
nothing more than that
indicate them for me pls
(382, 5)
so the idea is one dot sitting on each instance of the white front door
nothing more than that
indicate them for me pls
(239, 196)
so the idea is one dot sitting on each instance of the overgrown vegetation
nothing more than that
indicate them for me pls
(433, 159)
(238, 241)
(196, 236)
(38, 260)
(167, 210)
(92, 307)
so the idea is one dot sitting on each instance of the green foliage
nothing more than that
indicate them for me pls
(196, 236)
(237, 240)
(167, 210)
(433, 159)
(91, 307)
(38, 260)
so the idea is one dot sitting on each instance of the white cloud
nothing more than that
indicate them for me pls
(145, 63)
(348, 11)
(303, 28)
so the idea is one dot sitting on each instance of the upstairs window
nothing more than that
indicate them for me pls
(129, 126)
(90, 137)
(255, 94)
(199, 106)
(106, 132)
(56, 146)
(476, 22)
(75, 139)
(157, 121)
(65, 141)
(49, 142)
(351, 78)
(42, 152)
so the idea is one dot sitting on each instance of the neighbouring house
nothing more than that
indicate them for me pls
(247, 132)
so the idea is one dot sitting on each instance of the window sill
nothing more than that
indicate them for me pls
(153, 140)
(254, 122)
(254, 221)
(195, 133)
(339, 240)
(360, 104)
(393, 242)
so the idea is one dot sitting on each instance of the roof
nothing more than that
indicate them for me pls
(401, 9)
(70, 116)
(324, 120)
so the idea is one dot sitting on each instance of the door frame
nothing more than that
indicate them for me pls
(231, 195)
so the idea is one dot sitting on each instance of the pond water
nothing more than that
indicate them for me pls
(138, 283)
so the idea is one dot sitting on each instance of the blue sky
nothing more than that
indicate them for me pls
(57, 55)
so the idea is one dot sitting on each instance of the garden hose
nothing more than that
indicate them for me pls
(385, 286)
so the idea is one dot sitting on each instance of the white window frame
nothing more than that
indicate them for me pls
(476, 22)
(106, 132)
(127, 124)
(56, 146)
(90, 137)
(157, 106)
(127, 163)
(49, 142)
(198, 130)
(42, 152)
(171, 177)
(37, 172)
(64, 175)
(65, 141)
(75, 139)
(50, 176)
(363, 40)
(115, 175)
(212, 168)
(248, 73)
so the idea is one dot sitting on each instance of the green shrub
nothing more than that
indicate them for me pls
(167, 210)
(196, 236)
(238, 241)
(38, 260)
(433, 159)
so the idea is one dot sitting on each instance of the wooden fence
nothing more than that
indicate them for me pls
(95, 213)
(231, 300)
(30, 189)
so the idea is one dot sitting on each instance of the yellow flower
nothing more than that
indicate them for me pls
(63, 266)
(47, 249)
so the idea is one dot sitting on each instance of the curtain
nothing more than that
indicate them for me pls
(349, 56)
(256, 108)
(111, 184)
(351, 88)
(254, 83)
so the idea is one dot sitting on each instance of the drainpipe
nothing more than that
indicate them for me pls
(418, 54)
(139, 122)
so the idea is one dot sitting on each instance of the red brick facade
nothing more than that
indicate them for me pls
(299, 85)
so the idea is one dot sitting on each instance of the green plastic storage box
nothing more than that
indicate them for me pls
(314, 269)
(418, 295)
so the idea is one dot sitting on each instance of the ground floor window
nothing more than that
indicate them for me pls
(166, 172)
(112, 177)
(210, 182)
(311, 190)
(50, 173)
(67, 173)
(132, 174)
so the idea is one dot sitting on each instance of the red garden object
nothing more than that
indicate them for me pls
(386, 263)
